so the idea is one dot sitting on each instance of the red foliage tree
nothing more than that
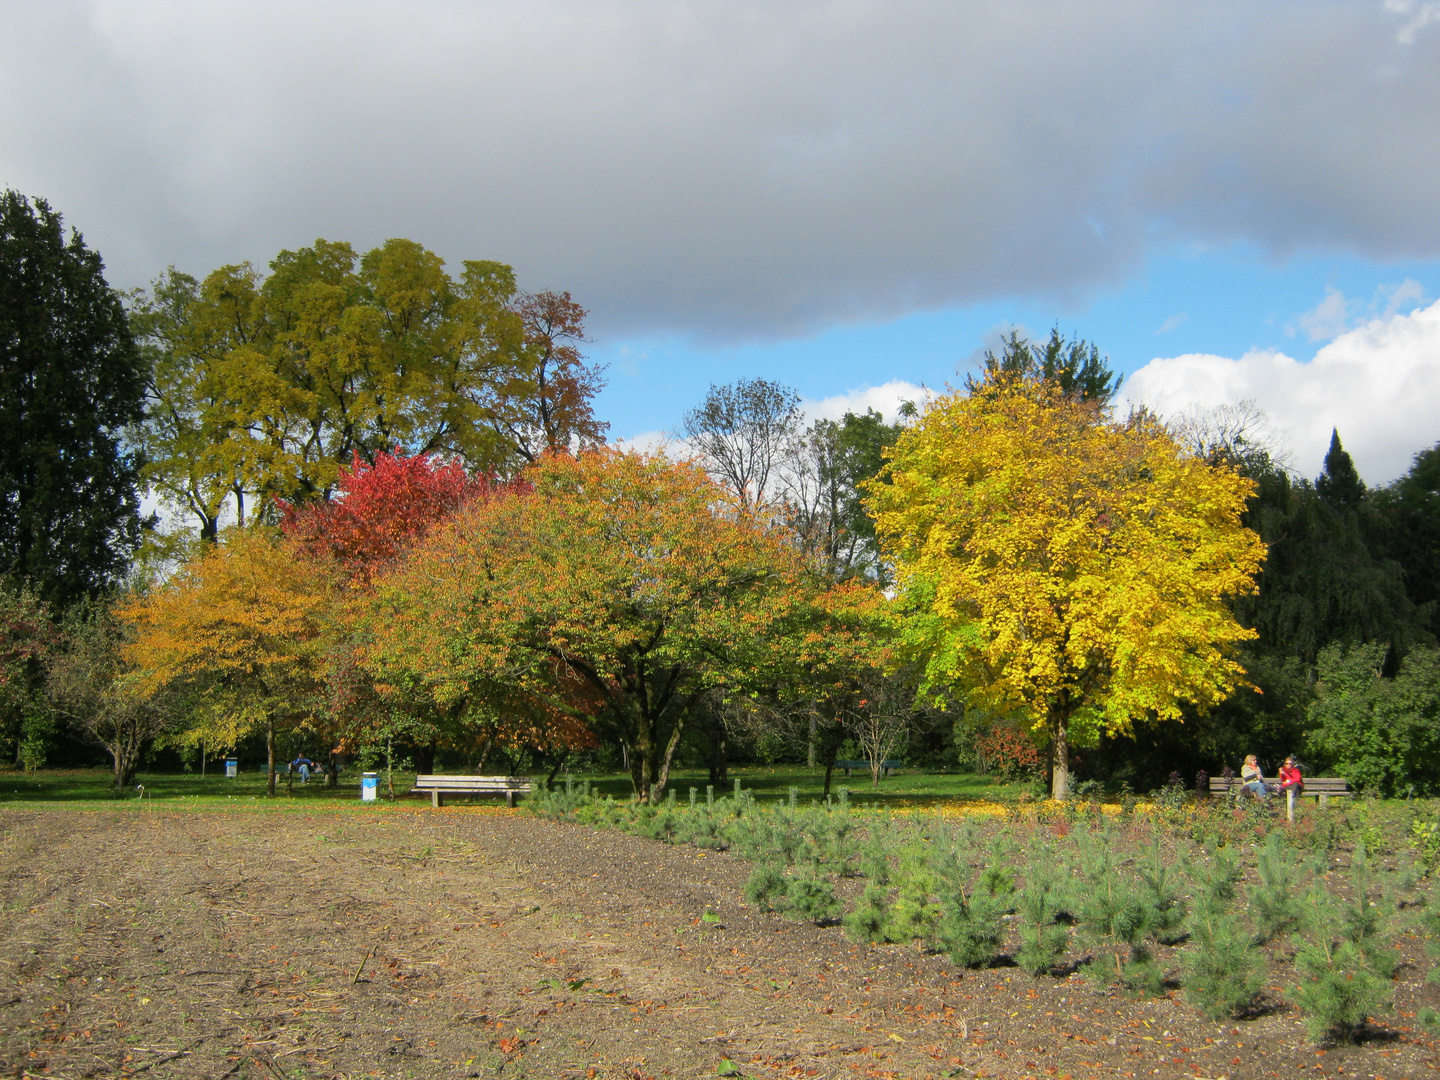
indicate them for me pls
(382, 509)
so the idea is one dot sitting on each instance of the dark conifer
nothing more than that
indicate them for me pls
(71, 382)
(1339, 482)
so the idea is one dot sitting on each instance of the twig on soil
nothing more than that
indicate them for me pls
(363, 960)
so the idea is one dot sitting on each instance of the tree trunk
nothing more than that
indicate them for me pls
(270, 756)
(334, 778)
(1060, 755)
(124, 770)
(810, 746)
(425, 758)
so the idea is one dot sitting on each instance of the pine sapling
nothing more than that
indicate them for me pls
(1338, 990)
(914, 913)
(1275, 904)
(767, 887)
(1043, 938)
(866, 922)
(1224, 971)
(812, 897)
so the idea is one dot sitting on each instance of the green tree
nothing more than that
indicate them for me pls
(71, 383)
(1383, 734)
(1407, 519)
(264, 387)
(824, 497)
(1074, 368)
(104, 699)
(1339, 482)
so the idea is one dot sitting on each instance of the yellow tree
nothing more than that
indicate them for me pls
(242, 625)
(1061, 564)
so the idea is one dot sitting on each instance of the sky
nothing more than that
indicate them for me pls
(1232, 199)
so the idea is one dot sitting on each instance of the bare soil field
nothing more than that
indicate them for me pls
(471, 942)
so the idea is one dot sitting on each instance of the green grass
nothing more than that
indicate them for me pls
(913, 787)
(92, 786)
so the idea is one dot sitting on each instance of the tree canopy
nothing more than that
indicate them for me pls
(265, 387)
(618, 593)
(1071, 368)
(1064, 566)
(71, 384)
(243, 628)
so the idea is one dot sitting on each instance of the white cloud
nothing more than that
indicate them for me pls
(1378, 384)
(654, 442)
(1328, 319)
(1174, 321)
(731, 168)
(885, 399)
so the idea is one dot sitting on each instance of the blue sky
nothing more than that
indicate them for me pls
(1225, 302)
(835, 194)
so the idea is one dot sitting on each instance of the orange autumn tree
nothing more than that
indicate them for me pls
(378, 514)
(1059, 564)
(243, 628)
(617, 594)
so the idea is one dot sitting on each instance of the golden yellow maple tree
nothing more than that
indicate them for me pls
(1062, 564)
(243, 627)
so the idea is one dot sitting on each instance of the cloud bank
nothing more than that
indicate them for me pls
(730, 169)
(1377, 384)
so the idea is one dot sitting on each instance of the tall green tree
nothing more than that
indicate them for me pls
(1074, 368)
(71, 383)
(824, 497)
(265, 386)
(1407, 519)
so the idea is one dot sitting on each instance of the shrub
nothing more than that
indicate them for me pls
(767, 887)
(867, 920)
(1043, 939)
(1009, 753)
(812, 897)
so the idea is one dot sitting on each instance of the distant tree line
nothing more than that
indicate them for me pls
(382, 519)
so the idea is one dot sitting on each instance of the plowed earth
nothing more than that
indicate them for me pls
(478, 943)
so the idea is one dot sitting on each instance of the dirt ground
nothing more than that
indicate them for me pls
(470, 942)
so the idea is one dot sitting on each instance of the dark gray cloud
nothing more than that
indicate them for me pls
(729, 169)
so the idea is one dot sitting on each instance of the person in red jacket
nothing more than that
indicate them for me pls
(1290, 778)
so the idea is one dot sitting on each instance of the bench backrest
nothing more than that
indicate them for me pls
(432, 782)
(1312, 783)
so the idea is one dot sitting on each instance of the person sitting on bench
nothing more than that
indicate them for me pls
(1252, 778)
(1290, 778)
(302, 765)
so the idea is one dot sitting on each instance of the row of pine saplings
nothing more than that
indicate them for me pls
(1096, 902)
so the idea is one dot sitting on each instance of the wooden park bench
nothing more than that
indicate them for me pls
(886, 767)
(1322, 788)
(439, 786)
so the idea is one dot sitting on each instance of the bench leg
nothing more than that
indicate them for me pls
(1324, 798)
(435, 799)
(510, 799)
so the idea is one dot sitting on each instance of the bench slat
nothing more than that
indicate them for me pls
(438, 785)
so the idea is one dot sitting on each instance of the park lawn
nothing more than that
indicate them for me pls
(908, 788)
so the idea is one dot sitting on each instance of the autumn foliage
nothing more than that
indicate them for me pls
(1065, 565)
(244, 626)
(380, 510)
(616, 594)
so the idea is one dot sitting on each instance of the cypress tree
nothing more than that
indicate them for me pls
(1339, 482)
(71, 382)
